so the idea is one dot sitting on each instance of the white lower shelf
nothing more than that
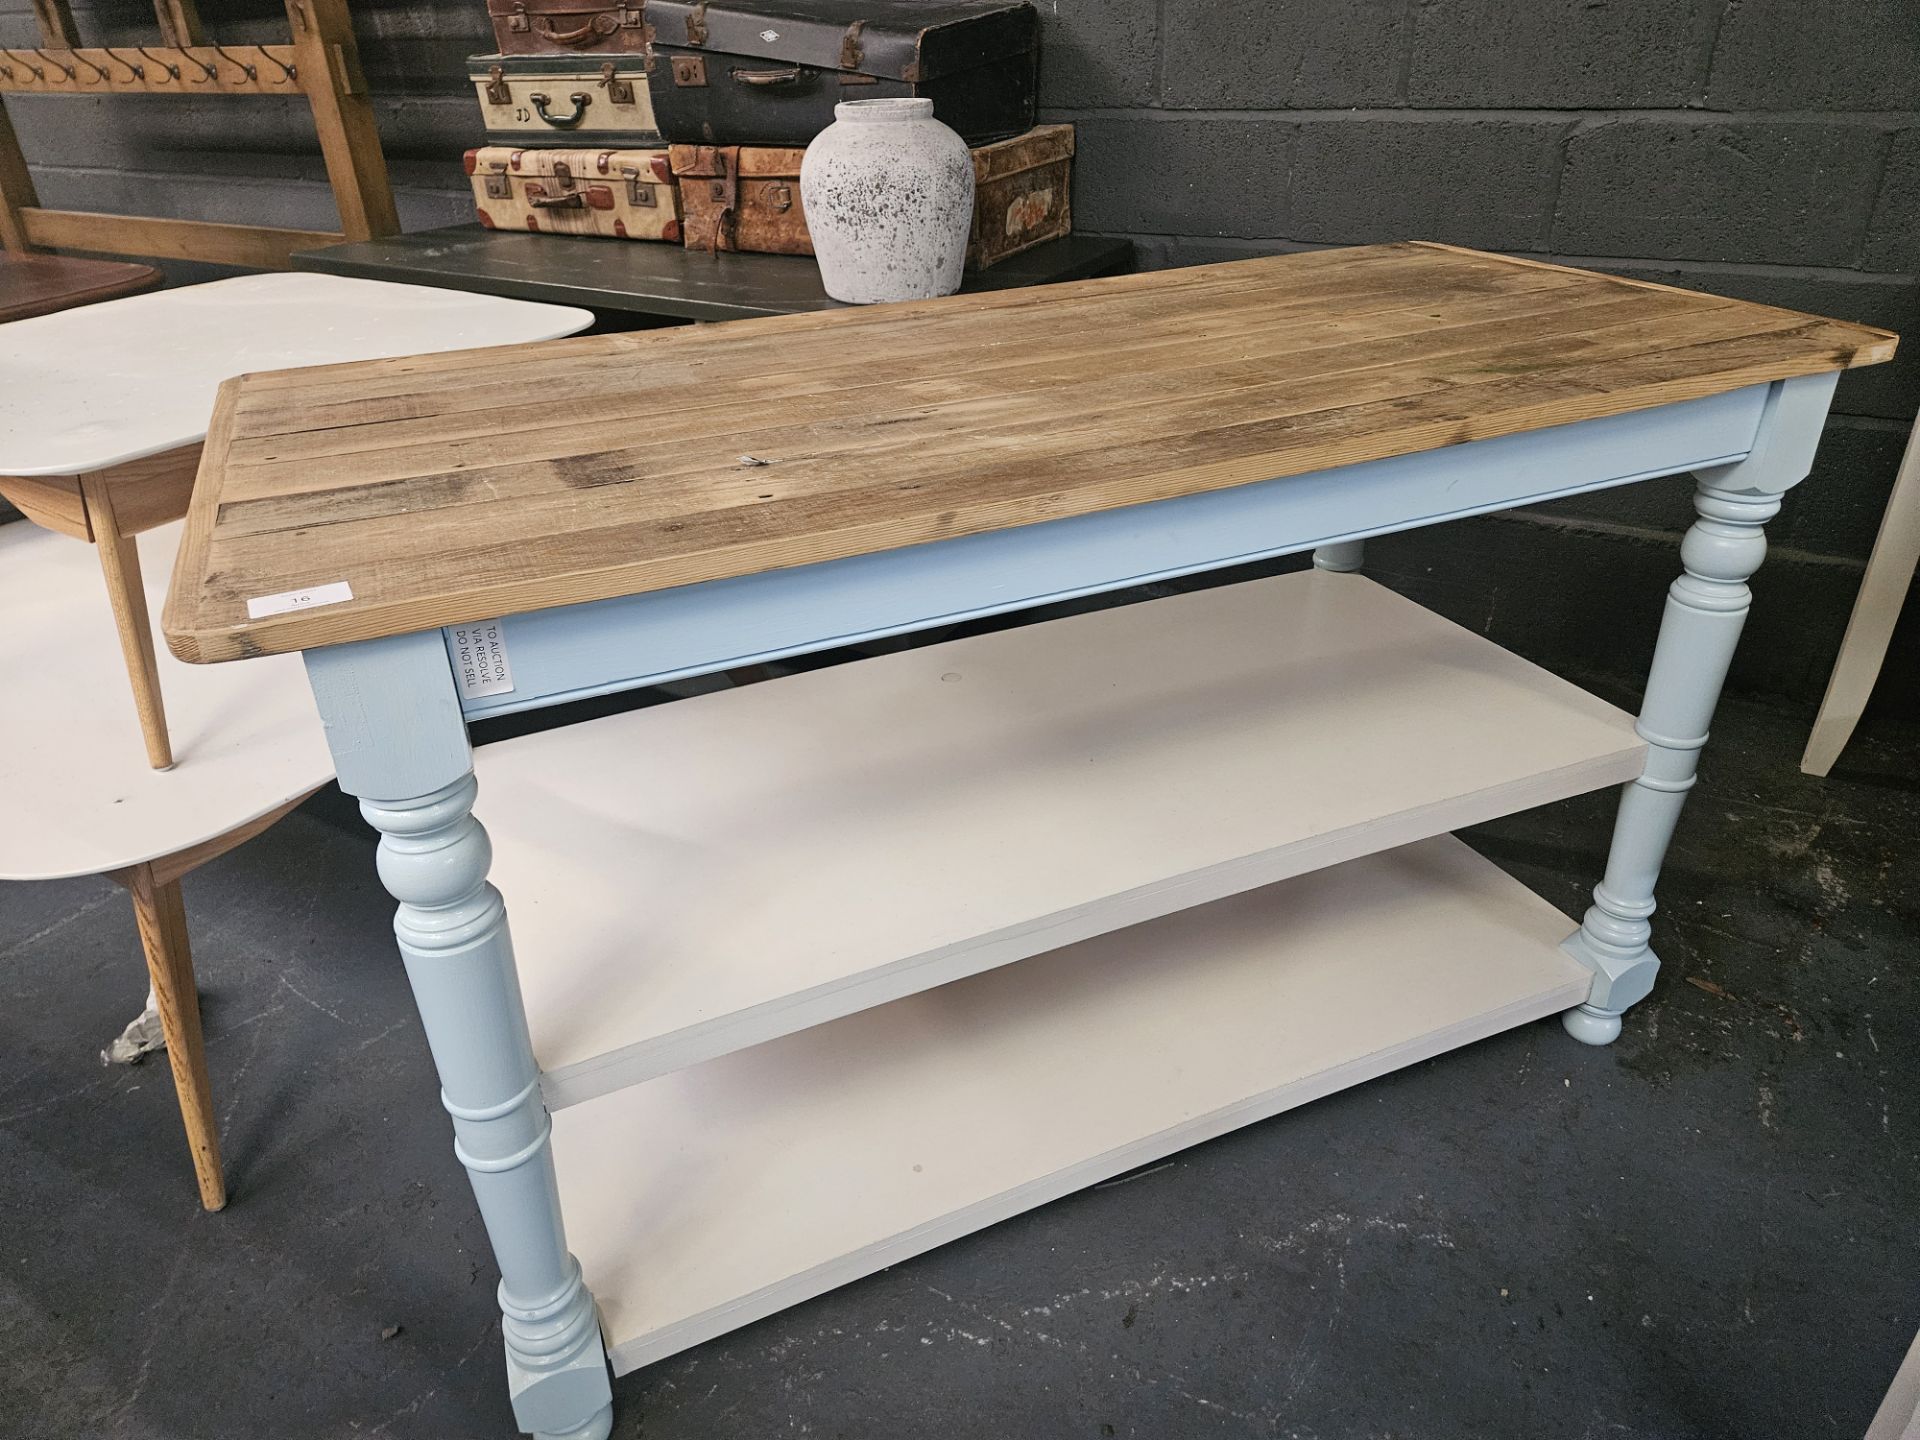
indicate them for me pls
(699, 877)
(715, 1196)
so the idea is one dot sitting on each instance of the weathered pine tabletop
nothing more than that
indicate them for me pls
(766, 1032)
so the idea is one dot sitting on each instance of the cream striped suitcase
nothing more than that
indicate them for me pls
(622, 194)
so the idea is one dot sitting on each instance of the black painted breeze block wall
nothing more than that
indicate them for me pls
(1768, 149)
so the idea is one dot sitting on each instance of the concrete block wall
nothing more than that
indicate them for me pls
(1767, 149)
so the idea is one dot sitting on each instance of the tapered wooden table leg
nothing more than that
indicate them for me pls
(162, 919)
(120, 564)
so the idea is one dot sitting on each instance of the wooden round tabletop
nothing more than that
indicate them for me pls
(42, 284)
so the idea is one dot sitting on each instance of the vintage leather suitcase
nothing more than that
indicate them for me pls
(564, 100)
(623, 194)
(747, 197)
(1022, 194)
(562, 27)
(736, 197)
(770, 73)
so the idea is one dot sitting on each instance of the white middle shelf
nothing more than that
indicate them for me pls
(691, 879)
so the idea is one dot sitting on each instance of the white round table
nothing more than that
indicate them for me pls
(103, 408)
(102, 412)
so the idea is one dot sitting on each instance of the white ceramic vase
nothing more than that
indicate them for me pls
(888, 192)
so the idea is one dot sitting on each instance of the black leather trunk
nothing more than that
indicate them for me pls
(770, 74)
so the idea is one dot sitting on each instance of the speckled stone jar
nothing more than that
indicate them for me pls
(888, 192)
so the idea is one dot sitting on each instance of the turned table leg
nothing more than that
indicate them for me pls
(1343, 557)
(400, 744)
(162, 919)
(126, 593)
(1705, 611)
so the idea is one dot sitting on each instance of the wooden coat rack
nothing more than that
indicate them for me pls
(321, 63)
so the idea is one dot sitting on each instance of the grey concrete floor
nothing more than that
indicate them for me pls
(1710, 1229)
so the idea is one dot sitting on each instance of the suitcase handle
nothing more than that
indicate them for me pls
(598, 28)
(767, 77)
(581, 100)
(594, 197)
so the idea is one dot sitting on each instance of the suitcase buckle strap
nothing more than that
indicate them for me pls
(723, 163)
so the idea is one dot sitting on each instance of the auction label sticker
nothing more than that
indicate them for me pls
(261, 606)
(479, 652)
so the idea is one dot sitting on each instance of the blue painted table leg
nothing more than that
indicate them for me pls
(393, 722)
(1343, 557)
(1706, 609)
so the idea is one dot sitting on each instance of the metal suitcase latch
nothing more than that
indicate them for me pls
(851, 51)
(779, 197)
(499, 187)
(498, 91)
(619, 92)
(518, 22)
(689, 71)
(640, 193)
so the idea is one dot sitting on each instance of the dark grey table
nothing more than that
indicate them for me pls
(668, 282)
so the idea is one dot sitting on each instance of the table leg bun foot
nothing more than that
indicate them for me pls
(597, 1428)
(1590, 1026)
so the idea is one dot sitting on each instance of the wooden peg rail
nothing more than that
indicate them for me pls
(321, 64)
(154, 70)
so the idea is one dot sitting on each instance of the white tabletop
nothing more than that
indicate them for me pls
(77, 796)
(103, 384)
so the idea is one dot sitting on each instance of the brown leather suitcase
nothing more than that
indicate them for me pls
(1022, 194)
(621, 194)
(560, 27)
(741, 197)
(747, 197)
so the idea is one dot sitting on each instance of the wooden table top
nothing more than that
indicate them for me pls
(43, 284)
(449, 488)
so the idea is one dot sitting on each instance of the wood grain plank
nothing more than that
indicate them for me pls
(708, 355)
(827, 453)
(442, 493)
(637, 430)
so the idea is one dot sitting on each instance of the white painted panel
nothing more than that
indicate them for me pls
(713, 1197)
(697, 877)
